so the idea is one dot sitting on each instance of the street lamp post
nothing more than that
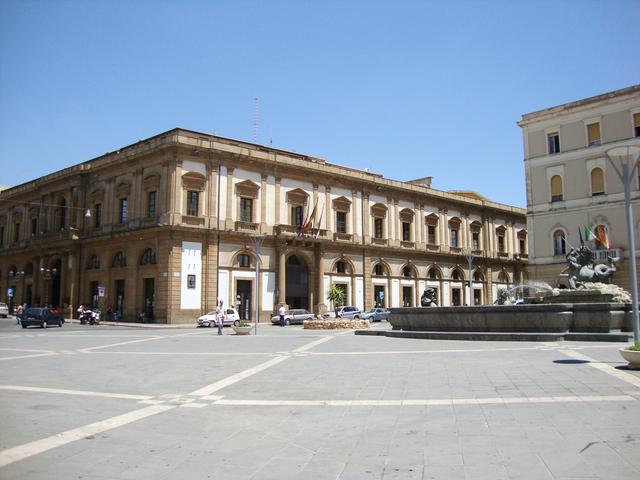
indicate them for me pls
(628, 156)
(256, 245)
(468, 253)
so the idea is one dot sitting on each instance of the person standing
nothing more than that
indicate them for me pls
(220, 316)
(19, 312)
(281, 312)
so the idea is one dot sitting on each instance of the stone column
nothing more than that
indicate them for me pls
(277, 201)
(390, 230)
(488, 286)
(367, 218)
(354, 215)
(282, 272)
(327, 212)
(421, 227)
(228, 216)
(321, 306)
(263, 202)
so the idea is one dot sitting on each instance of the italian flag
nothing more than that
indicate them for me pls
(600, 236)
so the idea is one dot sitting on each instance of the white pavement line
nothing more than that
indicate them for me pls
(424, 402)
(414, 352)
(20, 452)
(221, 354)
(225, 382)
(34, 355)
(604, 367)
(91, 349)
(315, 343)
(20, 388)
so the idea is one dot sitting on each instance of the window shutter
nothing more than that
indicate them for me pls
(593, 132)
(556, 186)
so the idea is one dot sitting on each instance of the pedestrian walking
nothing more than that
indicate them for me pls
(281, 312)
(220, 316)
(19, 312)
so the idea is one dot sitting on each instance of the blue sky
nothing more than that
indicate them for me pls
(406, 88)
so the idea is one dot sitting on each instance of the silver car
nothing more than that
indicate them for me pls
(348, 311)
(4, 310)
(292, 317)
(376, 314)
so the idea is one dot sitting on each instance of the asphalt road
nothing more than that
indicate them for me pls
(120, 403)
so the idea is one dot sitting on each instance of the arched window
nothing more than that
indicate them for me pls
(556, 188)
(341, 267)
(503, 277)
(478, 277)
(407, 271)
(597, 182)
(119, 260)
(148, 257)
(244, 260)
(94, 262)
(379, 269)
(433, 274)
(456, 275)
(559, 245)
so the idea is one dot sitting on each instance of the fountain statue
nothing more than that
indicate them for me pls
(582, 268)
(428, 298)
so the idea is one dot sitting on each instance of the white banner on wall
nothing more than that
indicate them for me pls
(191, 280)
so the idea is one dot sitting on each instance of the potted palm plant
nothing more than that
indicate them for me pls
(336, 296)
(631, 354)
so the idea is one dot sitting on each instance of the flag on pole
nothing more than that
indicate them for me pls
(600, 236)
(580, 235)
(308, 223)
(319, 222)
(588, 234)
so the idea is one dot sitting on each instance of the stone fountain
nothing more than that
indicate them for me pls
(592, 309)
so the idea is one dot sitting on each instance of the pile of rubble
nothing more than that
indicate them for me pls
(335, 323)
(620, 295)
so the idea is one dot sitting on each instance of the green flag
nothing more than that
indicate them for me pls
(588, 234)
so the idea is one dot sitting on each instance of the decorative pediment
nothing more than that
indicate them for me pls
(475, 225)
(123, 188)
(432, 218)
(297, 196)
(193, 181)
(379, 210)
(247, 188)
(522, 232)
(501, 229)
(455, 221)
(406, 215)
(342, 204)
(151, 181)
(97, 195)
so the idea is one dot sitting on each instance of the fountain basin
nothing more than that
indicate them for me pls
(556, 317)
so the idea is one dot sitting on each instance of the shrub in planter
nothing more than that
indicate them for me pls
(632, 355)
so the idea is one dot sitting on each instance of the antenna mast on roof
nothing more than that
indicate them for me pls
(255, 119)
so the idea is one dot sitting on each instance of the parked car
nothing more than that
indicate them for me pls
(42, 317)
(348, 311)
(209, 320)
(376, 314)
(4, 310)
(291, 317)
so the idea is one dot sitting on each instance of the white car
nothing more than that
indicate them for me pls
(4, 310)
(231, 317)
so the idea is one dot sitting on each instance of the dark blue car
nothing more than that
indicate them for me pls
(42, 317)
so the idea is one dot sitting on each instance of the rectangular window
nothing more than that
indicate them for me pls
(97, 218)
(192, 203)
(151, 204)
(431, 234)
(454, 237)
(377, 228)
(34, 227)
(191, 281)
(501, 243)
(341, 222)
(246, 210)
(406, 232)
(124, 210)
(475, 240)
(522, 245)
(297, 216)
(16, 232)
(636, 124)
(553, 142)
(558, 245)
(593, 133)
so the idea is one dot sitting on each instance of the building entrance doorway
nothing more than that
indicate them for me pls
(93, 291)
(477, 296)
(55, 285)
(149, 291)
(119, 310)
(456, 297)
(243, 299)
(407, 296)
(297, 283)
(379, 296)
(29, 295)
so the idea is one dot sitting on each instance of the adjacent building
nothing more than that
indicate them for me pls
(166, 226)
(571, 185)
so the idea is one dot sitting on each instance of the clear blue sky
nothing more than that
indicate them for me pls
(405, 88)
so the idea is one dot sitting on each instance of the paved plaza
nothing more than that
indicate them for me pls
(108, 402)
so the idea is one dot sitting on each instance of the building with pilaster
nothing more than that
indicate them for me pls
(165, 227)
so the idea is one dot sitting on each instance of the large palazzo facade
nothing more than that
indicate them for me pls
(165, 226)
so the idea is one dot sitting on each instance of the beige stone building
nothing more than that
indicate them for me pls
(570, 183)
(165, 226)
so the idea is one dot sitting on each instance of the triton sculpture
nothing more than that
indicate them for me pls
(582, 268)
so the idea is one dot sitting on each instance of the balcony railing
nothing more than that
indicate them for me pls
(191, 220)
(503, 254)
(342, 237)
(407, 244)
(602, 256)
(380, 241)
(455, 249)
(241, 226)
(432, 247)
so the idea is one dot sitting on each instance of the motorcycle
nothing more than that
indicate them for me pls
(90, 317)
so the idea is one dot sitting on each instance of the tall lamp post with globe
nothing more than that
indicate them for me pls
(256, 246)
(624, 161)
